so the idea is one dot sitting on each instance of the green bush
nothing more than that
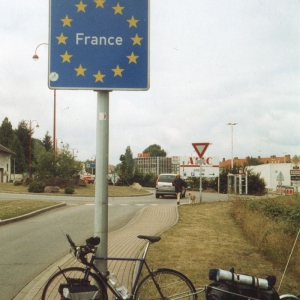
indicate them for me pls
(69, 190)
(36, 187)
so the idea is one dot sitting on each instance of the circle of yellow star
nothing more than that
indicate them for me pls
(99, 76)
(80, 70)
(81, 6)
(118, 9)
(117, 71)
(99, 3)
(132, 58)
(132, 22)
(66, 21)
(66, 57)
(62, 39)
(137, 40)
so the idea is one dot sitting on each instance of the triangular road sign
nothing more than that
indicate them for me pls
(200, 148)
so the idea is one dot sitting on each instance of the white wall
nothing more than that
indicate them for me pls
(4, 161)
(270, 172)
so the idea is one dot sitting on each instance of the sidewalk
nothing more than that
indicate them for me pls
(151, 220)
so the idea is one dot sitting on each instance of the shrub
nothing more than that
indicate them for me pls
(36, 187)
(69, 190)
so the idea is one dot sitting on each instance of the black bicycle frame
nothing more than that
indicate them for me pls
(142, 262)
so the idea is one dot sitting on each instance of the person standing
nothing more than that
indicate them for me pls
(179, 184)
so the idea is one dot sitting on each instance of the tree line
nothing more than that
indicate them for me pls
(47, 165)
(62, 168)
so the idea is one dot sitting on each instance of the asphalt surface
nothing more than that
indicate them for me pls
(29, 233)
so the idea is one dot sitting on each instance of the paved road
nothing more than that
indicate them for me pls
(29, 246)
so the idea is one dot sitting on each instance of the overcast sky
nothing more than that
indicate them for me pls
(211, 62)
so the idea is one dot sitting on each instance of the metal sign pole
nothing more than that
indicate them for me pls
(101, 189)
(200, 180)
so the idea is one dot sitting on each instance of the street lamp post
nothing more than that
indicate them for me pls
(232, 124)
(36, 57)
(29, 152)
(74, 152)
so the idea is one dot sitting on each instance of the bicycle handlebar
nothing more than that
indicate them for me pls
(81, 251)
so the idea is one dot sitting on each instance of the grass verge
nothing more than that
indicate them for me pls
(207, 236)
(16, 208)
(89, 190)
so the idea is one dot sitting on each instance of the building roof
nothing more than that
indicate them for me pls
(263, 160)
(5, 150)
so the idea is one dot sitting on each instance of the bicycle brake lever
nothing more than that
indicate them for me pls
(78, 252)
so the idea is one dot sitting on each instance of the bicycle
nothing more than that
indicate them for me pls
(162, 283)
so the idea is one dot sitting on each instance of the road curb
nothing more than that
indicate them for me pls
(8, 221)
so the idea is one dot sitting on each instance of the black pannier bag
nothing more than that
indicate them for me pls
(79, 292)
(222, 289)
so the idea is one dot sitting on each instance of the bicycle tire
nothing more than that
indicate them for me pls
(50, 290)
(289, 297)
(171, 285)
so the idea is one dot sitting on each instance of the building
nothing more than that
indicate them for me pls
(156, 165)
(275, 174)
(5, 164)
(240, 162)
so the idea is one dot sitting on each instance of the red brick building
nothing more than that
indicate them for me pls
(239, 162)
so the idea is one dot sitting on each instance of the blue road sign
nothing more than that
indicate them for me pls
(99, 44)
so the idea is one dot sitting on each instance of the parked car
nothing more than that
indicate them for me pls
(164, 186)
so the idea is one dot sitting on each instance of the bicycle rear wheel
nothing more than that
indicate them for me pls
(170, 284)
(50, 290)
(289, 297)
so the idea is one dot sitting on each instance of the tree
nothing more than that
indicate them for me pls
(122, 167)
(126, 168)
(46, 167)
(155, 150)
(47, 142)
(252, 161)
(62, 170)
(256, 185)
(67, 168)
(129, 162)
(19, 163)
(6, 133)
(22, 133)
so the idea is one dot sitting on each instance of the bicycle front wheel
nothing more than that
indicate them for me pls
(51, 289)
(167, 284)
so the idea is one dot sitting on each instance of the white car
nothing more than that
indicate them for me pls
(164, 186)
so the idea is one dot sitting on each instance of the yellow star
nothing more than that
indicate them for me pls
(132, 58)
(62, 39)
(136, 40)
(118, 71)
(99, 3)
(132, 22)
(99, 76)
(118, 9)
(66, 21)
(80, 70)
(81, 6)
(66, 57)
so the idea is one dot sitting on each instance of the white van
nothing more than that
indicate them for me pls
(164, 186)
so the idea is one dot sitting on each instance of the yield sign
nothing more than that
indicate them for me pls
(200, 148)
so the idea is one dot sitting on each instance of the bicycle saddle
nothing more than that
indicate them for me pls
(151, 239)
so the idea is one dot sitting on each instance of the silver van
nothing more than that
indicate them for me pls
(164, 186)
